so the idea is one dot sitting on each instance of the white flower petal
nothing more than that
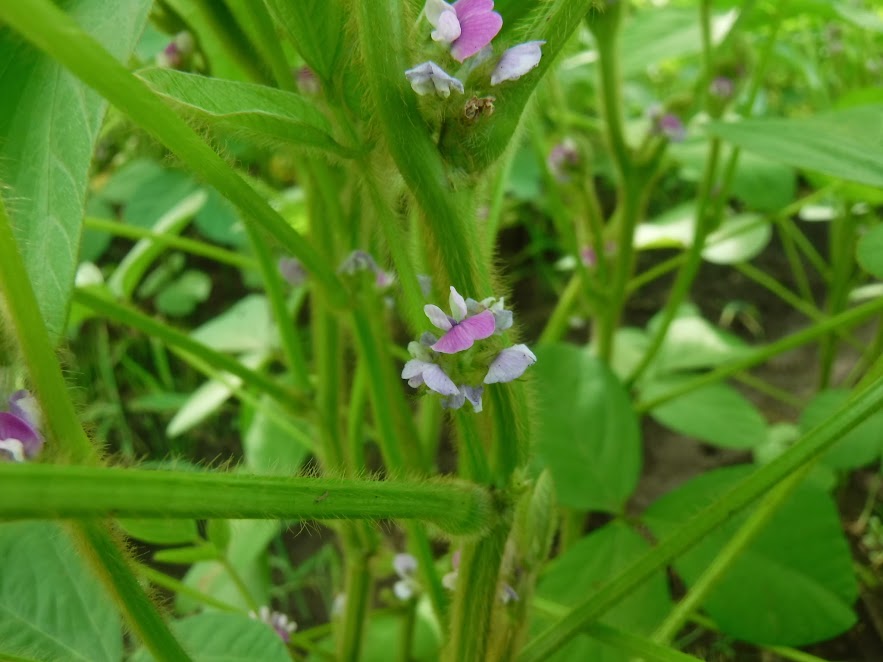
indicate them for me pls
(415, 367)
(405, 565)
(447, 28)
(429, 77)
(517, 61)
(403, 590)
(510, 364)
(457, 304)
(437, 316)
(438, 381)
(434, 9)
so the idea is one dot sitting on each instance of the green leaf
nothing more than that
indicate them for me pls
(49, 123)
(717, 414)
(793, 585)
(589, 436)
(691, 342)
(180, 297)
(247, 554)
(131, 270)
(187, 555)
(590, 562)
(247, 326)
(847, 144)
(269, 447)
(255, 112)
(222, 637)
(739, 239)
(51, 606)
(869, 251)
(161, 531)
(857, 448)
(316, 28)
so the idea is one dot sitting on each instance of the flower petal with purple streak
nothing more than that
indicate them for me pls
(510, 364)
(437, 380)
(463, 335)
(473, 395)
(15, 428)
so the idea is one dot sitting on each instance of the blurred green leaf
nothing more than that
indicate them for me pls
(317, 29)
(180, 297)
(49, 124)
(588, 564)
(792, 586)
(132, 268)
(269, 447)
(716, 414)
(51, 605)
(691, 342)
(858, 447)
(588, 436)
(209, 397)
(847, 144)
(161, 531)
(247, 554)
(256, 112)
(187, 555)
(219, 221)
(739, 239)
(246, 326)
(869, 251)
(224, 637)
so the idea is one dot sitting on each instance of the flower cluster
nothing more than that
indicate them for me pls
(20, 438)
(452, 365)
(467, 27)
(282, 625)
(407, 586)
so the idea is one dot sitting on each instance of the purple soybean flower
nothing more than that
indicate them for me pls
(461, 331)
(423, 370)
(20, 439)
(669, 125)
(465, 392)
(292, 271)
(510, 364)
(428, 77)
(283, 626)
(563, 159)
(517, 61)
(468, 25)
(722, 87)
(502, 317)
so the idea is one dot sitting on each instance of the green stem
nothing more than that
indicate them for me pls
(113, 569)
(476, 597)
(128, 316)
(50, 491)
(723, 561)
(624, 641)
(781, 651)
(173, 585)
(201, 248)
(556, 327)
(813, 445)
(762, 354)
(690, 267)
(55, 33)
(288, 333)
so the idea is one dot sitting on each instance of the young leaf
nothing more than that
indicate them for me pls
(51, 607)
(255, 112)
(858, 447)
(589, 436)
(793, 585)
(49, 122)
(869, 251)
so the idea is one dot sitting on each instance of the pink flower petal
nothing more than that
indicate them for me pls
(463, 335)
(476, 31)
(467, 8)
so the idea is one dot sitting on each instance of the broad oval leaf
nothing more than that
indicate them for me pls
(255, 112)
(858, 447)
(717, 414)
(739, 239)
(793, 585)
(869, 251)
(589, 436)
(843, 143)
(51, 606)
(49, 123)
(223, 637)
(585, 566)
